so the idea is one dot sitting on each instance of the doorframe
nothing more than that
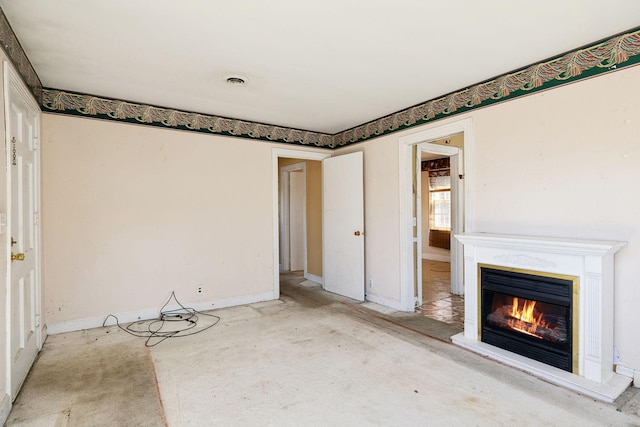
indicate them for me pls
(406, 187)
(285, 215)
(275, 155)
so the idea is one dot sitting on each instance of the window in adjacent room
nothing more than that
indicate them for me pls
(439, 193)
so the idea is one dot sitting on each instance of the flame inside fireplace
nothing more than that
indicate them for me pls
(525, 319)
(523, 315)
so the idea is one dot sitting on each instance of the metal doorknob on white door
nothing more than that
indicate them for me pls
(357, 233)
(17, 257)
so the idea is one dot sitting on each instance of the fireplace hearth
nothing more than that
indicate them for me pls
(529, 313)
(543, 305)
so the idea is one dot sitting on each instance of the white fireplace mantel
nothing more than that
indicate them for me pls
(591, 261)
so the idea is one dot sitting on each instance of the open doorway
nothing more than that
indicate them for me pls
(439, 175)
(297, 215)
(293, 224)
(410, 146)
(300, 213)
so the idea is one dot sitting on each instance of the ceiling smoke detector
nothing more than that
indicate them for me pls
(235, 80)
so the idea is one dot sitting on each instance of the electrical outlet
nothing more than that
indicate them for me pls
(198, 289)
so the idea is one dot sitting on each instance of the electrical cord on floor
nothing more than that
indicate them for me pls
(176, 323)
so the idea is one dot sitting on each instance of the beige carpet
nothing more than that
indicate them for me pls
(101, 377)
(310, 359)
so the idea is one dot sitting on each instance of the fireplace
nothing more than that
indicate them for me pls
(565, 284)
(529, 313)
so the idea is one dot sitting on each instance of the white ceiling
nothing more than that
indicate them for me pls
(321, 65)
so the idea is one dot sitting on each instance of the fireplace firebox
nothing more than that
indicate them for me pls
(529, 313)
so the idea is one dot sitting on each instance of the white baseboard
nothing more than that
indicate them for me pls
(314, 278)
(629, 373)
(44, 333)
(5, 408)
(152, 313)
(623, 370)
(387, 302)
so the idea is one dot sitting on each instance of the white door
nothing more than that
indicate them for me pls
(457, 224)
(23, 232)
(343, 225)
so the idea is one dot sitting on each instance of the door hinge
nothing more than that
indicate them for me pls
(36, 218)
(37, 319)
(36, 143)
(13, 151)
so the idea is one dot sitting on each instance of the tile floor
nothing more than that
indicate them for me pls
(437, 301)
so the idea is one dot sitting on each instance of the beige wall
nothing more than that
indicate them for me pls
(131, 213)
(563, 162)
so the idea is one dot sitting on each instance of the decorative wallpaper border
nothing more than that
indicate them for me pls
(105, 108)
(14, 51)
(614, 53)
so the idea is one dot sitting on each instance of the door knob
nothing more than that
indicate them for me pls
(357, 233)
(17, 257)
